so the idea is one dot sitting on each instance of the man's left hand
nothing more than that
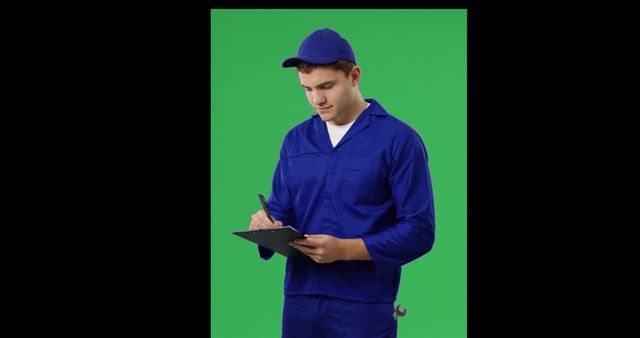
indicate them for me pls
(321, 248)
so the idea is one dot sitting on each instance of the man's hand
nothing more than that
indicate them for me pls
(260, 220)
(321, 248)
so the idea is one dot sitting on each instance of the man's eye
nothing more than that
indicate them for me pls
(327, 87)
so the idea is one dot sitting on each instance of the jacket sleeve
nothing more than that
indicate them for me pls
(280, 202)
(414, 233)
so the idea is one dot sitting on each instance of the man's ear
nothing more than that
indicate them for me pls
(355, 75)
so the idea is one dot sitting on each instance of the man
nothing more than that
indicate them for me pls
(355, 180)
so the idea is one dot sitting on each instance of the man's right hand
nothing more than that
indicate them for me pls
(259, 220)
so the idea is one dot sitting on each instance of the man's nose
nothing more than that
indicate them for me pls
(318, 99)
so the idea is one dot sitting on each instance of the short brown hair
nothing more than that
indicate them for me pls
(344, 66)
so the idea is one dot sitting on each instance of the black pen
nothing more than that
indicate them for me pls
(264, 206)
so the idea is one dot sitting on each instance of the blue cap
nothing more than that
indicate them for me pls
(322, 47)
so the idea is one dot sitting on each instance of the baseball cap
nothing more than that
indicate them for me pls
(322, 47)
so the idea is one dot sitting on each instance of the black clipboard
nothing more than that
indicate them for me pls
(275, 239)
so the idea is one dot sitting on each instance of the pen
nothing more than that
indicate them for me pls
(264, 206)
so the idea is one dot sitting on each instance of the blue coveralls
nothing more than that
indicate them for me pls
(375, 185)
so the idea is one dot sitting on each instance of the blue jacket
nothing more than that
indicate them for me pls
(375, 185)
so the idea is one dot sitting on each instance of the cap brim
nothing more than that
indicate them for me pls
(292, 61)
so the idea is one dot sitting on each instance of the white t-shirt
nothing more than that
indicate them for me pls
(336, 133)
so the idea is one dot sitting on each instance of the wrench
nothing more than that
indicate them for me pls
(397, 313)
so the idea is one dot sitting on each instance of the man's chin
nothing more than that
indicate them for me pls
(326, 116)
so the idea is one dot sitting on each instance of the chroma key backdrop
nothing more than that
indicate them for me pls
(414, 62)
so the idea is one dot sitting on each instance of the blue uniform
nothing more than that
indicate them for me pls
(318, 316)
(374, 184)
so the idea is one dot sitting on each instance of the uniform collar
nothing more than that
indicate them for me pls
(362, 122)
(374, 108)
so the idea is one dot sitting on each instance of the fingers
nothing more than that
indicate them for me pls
(279, 224)
(264, 218)
(259, 220)
(254, 224)
(305, 248)
(313, 253)
(310, 241)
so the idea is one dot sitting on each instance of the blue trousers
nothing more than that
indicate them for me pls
(316, 316)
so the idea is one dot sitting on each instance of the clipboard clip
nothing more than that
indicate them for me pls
(397, 313)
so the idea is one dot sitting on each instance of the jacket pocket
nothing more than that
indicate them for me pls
(365, 186)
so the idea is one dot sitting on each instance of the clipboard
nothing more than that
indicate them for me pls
(276, 239)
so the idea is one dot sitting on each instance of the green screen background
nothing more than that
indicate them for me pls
(414, 63)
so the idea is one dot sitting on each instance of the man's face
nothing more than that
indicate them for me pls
(331, 94)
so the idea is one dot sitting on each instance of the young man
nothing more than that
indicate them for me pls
(355, 179)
